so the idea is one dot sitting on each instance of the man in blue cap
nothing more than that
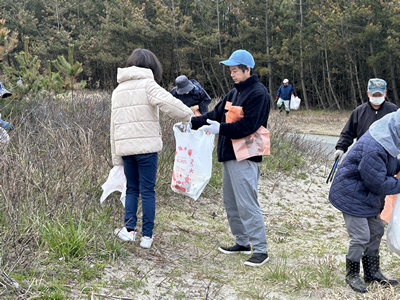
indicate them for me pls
(240, 178)
(364, 115)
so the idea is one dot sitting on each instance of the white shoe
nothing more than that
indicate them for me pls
(145, 242)
(124, 235)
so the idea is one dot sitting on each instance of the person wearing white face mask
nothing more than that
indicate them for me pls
(364, 115)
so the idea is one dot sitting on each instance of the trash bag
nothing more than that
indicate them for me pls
(393, 230)
(295, 102)
(193, 161)
(116, 182)
(4, 137)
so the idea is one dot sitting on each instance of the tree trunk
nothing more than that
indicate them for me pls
(353, 90)
(328, 98)
(316, 88)
(303, 86)
(358, 83)
(268, 53)
(216, 78)
(392, 73)
(176, 45)
(372, 54)
(58, 17)
(208, 75)
(329, 80)
(219, 44)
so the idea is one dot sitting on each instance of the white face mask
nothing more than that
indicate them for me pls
(376, 100)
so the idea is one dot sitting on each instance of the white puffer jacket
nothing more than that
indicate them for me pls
(135, 127)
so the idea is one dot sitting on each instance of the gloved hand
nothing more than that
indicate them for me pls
(8, 126)
(212, 128)
(185, 127)
(338, 154)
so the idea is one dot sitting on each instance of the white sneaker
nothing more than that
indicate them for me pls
(124, 235)
(145, 242)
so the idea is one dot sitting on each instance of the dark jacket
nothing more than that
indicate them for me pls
(197, 96)
(360, 120)
(285, 92)
(364, 176)
(253, 97)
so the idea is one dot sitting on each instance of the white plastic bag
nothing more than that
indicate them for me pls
(4, 137)
(116, 182)
(193, 162)
(294, 102)
(393, 230)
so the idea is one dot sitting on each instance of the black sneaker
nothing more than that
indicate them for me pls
(257, 259)
(235, 249)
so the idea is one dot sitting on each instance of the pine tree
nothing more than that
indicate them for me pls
(70, 69)
(7, 42)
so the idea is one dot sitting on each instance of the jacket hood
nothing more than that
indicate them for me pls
(386, 132)
(131, 73)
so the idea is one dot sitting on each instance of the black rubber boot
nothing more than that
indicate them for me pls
(280, 109)
(353, 276)
(372, 272)
(287, 113)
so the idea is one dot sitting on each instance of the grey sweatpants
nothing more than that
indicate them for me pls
(240, 193)
(365, 236)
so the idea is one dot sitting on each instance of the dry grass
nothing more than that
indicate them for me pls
(328, 123)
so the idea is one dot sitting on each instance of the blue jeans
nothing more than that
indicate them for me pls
(140, 171)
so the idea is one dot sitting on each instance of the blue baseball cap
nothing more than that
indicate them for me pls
(376, 85)
(239, 57)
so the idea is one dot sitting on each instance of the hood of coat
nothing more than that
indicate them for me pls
(386, 132)
(132, 73)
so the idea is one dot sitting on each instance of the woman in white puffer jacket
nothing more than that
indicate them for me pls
(136, 136)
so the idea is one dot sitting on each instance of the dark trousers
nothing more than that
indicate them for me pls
(140, 172)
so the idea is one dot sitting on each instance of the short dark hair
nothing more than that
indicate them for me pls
(244, 68)
(144, 58)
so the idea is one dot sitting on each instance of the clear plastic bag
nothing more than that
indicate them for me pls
(193, 161)
(393, 230)
(116, 182)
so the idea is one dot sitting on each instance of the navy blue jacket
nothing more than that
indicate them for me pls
(197, 96)
(253, 97)
(364, 176)
(285, 92)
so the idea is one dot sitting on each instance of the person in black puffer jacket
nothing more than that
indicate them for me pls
(363, 178)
